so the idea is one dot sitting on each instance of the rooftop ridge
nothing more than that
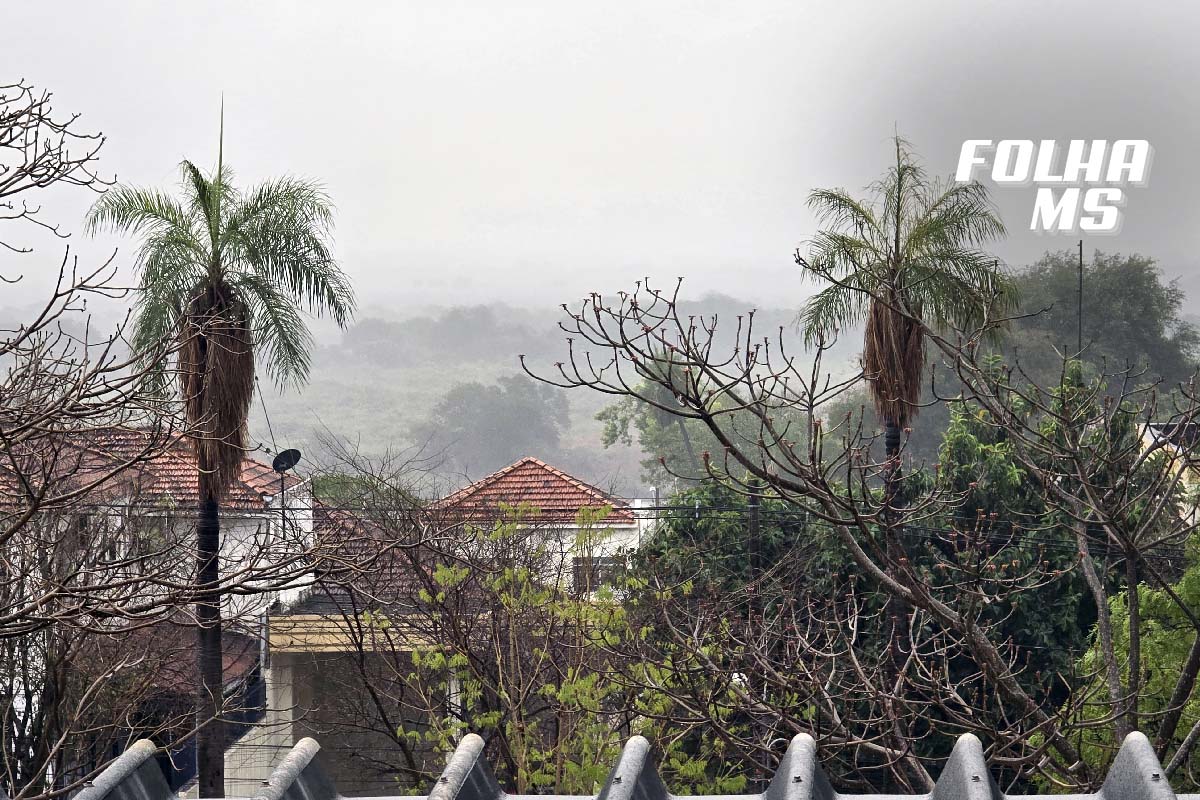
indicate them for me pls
(475, 487)
(582, 485)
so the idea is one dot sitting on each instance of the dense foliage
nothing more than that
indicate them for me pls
(503, 422)
(1131, 315)
(706, 553)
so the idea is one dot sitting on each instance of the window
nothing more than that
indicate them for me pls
(591, 572)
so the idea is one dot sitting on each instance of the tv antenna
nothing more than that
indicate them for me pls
(283, 462)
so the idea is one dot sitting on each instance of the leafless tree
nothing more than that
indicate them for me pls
(805, 665)
(38, 149)
(63, 384)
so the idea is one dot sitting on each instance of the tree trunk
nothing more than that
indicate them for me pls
(1134, 608)
(897, 610)
(891, 446)
(210, 739)
(1104, 630)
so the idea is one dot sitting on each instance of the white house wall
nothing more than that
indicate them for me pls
(255, 542)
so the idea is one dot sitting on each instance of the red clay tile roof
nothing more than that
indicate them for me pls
(368, 564)
(169, 470)
(383, 569)
(558, 496)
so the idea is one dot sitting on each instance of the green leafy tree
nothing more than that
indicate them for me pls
(538, 674)
(1144, 655)
(707, 554)
(939, 558)
(676, 448)
(1131, 316)
(1167, 645)
(673, 445)
(1049, 622)
(228, 274)
(485, 427)
(532, 682)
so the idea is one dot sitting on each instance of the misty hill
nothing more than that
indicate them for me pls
(450, 380)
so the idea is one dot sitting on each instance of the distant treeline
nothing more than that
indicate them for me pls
(498, 332)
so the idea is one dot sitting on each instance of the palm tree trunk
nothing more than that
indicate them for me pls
(210, 739)
(898, 644)
(891, 445)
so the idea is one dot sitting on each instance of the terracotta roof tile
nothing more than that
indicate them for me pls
(383, 569)
(170, 471)
(558, 496)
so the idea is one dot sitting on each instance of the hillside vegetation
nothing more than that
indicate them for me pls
(450, 381)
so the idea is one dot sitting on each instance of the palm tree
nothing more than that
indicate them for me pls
(225, 274)
(903, 259)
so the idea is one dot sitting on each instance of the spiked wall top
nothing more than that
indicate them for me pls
(1135, 775)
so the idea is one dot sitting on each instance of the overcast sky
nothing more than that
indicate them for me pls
(529, 153)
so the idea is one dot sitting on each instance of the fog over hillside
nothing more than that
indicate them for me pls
(450, 380)
(447, 380)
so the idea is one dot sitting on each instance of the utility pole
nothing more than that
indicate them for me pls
(753, 520)
(755, 527)
(1079, 344)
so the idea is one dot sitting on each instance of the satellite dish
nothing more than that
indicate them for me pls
(285, 461)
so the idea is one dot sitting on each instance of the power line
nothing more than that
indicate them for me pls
(263, 402)
(1004, 532)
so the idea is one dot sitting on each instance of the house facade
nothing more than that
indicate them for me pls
(266, 518)
(323, 652)
(122, 514)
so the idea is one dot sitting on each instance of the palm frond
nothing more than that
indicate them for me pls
(207, 194)
(160, 303)
(287, 198)
(828, 311)
(278, 328)
(281, 233)
(130, 209)
(840, 211)
(959, 215)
